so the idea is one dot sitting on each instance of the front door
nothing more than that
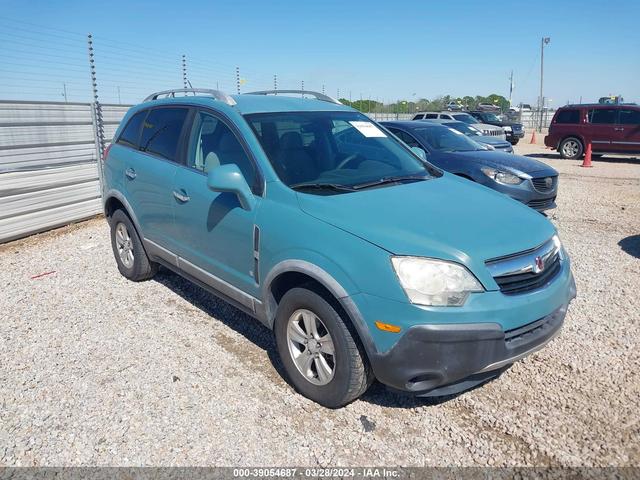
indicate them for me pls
(215, 234)
(628, 127)
(150, 172)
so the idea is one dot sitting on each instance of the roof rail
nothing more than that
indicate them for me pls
(318, 95)
(217, 94)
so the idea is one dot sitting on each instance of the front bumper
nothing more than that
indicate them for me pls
(443, 359)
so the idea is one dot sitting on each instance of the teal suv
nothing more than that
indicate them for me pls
(366, 261)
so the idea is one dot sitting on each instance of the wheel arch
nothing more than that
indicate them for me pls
(114, 200)
(290, 274)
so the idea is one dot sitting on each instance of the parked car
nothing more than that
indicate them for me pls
(494, 143)
(488, 107)
(363, 259)
(521, 178)
(454, 106)
(609, 128)
(485, 128)
(513, 130)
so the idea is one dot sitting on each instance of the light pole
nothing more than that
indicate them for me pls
(543, 42)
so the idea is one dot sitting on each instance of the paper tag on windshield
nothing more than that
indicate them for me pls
(368, 129)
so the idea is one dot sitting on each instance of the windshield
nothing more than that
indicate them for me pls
(446, 139)
(334, 150)
(491, 117)
(465, 128)
(465, 117)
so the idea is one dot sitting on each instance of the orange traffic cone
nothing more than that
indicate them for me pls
(587, 157)
(533, 137)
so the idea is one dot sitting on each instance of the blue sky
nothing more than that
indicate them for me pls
(386, 50)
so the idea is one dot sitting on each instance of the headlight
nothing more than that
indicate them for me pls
(435, 283)
(488, 147)
(505, 178)
(507, 129)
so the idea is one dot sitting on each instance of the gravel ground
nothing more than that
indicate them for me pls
(96, 370)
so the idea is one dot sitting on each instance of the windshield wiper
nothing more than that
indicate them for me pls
(387, 180)
(322, 186)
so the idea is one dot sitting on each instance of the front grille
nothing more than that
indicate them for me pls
(526, 271)
(541, 204)
(544, 184)
(493, 133)
(525, 282)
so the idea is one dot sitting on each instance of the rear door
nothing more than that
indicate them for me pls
(150, 172)
(602, 130)
(628, 128)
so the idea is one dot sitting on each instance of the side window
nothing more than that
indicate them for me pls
(602, 115)
(213, 144)
(431, 115)
(131, 134)
(406, 138)
(629, 117)
(444, 116)
(568, 116)
(161, 132)
(419, 116)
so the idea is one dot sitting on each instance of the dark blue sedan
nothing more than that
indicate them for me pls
(524, 179)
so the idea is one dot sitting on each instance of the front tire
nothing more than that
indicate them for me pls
(131, 258)
(571, 148)
(322, 358)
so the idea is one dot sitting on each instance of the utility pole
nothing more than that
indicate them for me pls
(119, 100)
(544, 41)
(302, 87)
(510, 88)
(275, 82)
(338, 94)
(323, 88)
(64, 94)
(238, 80)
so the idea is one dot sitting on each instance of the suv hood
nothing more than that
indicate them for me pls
(447, 217)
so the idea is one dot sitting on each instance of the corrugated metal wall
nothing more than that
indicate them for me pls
(48, 168)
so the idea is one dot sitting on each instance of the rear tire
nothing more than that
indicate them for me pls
(131, 258)
(514, 142)
(571, 148)
(307, 329)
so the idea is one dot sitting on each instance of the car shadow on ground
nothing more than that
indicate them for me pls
(253, 331)
(603, 159)
(631, 245)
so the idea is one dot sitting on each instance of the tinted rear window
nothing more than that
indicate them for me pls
(131, 133)
(602, 115)
(568, 116)
(161, 132)
(629, 117)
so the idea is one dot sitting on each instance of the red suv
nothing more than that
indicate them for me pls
(609, 129)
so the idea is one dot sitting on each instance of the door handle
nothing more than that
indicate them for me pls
(130, 173)
(181, 197)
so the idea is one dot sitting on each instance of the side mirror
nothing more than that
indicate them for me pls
(229, 178)
(419, 152)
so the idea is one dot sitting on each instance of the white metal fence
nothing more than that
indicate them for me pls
(48, 169)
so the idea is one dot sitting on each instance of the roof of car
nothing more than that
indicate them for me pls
(247, 103)
(410, 124)
(603, 105)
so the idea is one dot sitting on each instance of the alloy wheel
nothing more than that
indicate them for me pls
(571, 148)
(311, 347)
(124, 245)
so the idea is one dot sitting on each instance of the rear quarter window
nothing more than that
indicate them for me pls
(131, 134)
(568, 116)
